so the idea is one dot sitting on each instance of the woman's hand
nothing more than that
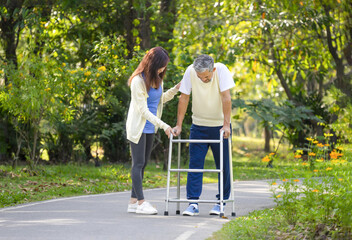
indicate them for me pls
(168, 132)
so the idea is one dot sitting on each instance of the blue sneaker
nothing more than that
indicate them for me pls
(215, 210)
(192, 210)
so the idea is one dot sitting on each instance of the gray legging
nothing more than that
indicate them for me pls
(140, 156)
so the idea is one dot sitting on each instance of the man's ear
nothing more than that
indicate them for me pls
(214, 69)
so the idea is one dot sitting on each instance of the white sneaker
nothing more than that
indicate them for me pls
(132, 207)
(146, 208)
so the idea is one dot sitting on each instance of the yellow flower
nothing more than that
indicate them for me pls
(88, 73)
(271, 154)
(310, 139)
(328, 135)
(320, 145)
(304, 164)
(340, 179)
(311, 154)
(266, 159)
(274, 183)
(298, 156)
(115, 56)
(327, 144)
(1, 71)
(315, 190)
(328, 169)
(296, 180)
(47, 89)
(102, 68)
(315, 142)
(64, 64)
(320, 160)
(339, 148)
(98, 74)
(284, 180)
(299, 152)
(315, 170)
(123, 67)
(278, 196)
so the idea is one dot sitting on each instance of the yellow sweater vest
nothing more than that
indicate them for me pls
(206, 101)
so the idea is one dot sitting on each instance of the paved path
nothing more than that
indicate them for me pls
(104, 216)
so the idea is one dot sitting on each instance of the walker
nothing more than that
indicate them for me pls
(178, 200)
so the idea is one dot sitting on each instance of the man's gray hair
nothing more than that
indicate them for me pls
(203, 62)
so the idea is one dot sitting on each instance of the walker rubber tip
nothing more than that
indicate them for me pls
(166, 213)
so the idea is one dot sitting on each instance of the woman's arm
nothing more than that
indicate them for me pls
(139, 96)
(169, 94)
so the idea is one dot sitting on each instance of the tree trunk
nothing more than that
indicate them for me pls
(144, 27)
(342, 81)
(168, 17)
(130, 16)
(9, 34)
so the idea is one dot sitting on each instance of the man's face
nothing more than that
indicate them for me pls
(205, 76)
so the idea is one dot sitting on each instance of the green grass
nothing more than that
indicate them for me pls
(20, 185)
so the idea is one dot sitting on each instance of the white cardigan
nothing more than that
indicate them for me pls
(138, 112)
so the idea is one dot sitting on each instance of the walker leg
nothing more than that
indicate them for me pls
(221, 175)
(178, 177)
(166, 213)
(232, 195)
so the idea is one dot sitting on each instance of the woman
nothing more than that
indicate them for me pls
(147, 99)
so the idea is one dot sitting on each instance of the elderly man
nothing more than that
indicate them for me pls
(210, 86)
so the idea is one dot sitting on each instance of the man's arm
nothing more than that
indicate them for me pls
(181, 111)
(226, 108)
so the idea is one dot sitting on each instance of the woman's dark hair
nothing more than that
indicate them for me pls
(155, 59)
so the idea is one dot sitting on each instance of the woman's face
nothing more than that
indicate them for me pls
(160, 70)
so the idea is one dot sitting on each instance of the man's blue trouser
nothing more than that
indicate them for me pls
(198, 151)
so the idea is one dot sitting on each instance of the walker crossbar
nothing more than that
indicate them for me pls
(178, 170)
(194, 141)
(196, 201)
(194, 170)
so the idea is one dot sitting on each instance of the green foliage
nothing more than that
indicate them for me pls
(285, 118)
(311, 203)
(277, 50)
(31, 96)
(320, 201)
